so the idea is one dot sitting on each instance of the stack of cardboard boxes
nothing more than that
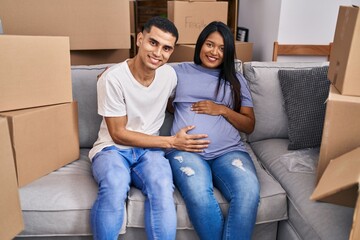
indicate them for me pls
(191, 17)
(338, 172)
(99, 31)
(38, 118)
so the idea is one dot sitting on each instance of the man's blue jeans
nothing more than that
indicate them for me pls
(114, 170)
(234, 175)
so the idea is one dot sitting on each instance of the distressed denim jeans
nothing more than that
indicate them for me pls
(148, 170)
(234, 175)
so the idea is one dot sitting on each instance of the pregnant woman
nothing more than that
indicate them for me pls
(214, 98)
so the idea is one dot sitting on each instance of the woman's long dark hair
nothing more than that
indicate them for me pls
(227, 68)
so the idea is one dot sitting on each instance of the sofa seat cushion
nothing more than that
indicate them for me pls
(272, 207)
(59, 203)
(271, 118)
(296, 172)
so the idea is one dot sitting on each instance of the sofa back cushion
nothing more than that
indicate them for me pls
(271, 118)
(84, 79)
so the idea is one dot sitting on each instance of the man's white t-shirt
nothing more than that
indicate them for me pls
(119, 94)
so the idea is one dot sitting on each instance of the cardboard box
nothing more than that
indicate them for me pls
(244, 51)
(11, 222)
(344, 69)
(341, 132)
(92, 57)
(90, 24)
(43, 139)
(340, 185)
(185, 52)
(191, 17)
(35, 71)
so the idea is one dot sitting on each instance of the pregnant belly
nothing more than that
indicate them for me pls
(220, 132)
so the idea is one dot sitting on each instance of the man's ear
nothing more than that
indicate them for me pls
(139, 39)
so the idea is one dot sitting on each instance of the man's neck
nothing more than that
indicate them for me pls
(142, 74)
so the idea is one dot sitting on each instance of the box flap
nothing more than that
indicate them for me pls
(339, 183)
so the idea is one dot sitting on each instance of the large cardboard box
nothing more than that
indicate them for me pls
(185, 52)
(35, 71)
(90, 24)
(340, 185)
(43, 139)
(341, 132)
(11, 222)
(92, 57)
(344, 70)
(191, 17)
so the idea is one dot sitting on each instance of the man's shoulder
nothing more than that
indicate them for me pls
(166, 70)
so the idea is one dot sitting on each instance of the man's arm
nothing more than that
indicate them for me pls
(181, 140)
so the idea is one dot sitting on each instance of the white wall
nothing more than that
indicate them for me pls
(288, 21)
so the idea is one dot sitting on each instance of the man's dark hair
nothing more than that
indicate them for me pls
(162, 23)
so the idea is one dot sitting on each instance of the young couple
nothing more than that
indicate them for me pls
(211, 104)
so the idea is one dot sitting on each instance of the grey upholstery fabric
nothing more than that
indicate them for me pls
(310, 219)
(59, 204)
(84, 92)
(271, 119)
(305, 93)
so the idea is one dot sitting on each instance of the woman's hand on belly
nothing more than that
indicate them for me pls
(208, 107)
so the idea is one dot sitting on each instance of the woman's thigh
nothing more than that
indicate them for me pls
(234, 173)
(191, 173)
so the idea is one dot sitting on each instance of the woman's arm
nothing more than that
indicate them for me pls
(243, 121)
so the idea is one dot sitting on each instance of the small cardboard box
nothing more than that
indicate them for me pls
(341, 131)
(244, 51)
(11, 221)
(185, 52)
(191, 17)
(344, 70)
(35, 71)
(90, 24)
(340, 185)
(43, 139)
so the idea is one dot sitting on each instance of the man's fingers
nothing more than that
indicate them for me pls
(198, 136)
(188, 128)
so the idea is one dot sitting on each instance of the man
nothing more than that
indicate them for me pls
(132, 97)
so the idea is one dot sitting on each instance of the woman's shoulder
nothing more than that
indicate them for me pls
(182, 66)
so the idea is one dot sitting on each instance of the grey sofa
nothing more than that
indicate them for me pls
(58, 205)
